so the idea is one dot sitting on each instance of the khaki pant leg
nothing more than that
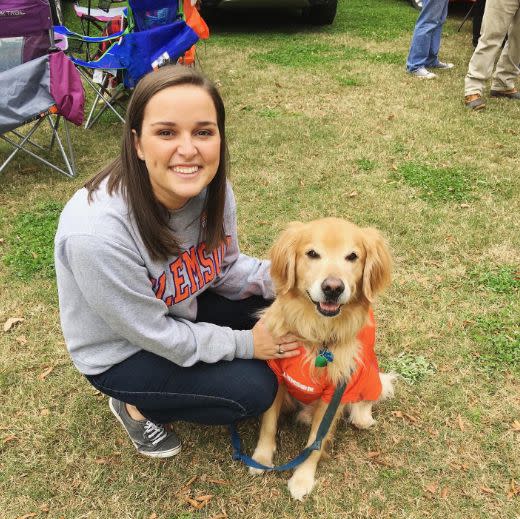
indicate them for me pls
(507, 69)
(498, 16)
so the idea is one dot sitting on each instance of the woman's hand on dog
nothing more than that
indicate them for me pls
(268, 347)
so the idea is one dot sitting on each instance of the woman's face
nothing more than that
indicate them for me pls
(180, 143)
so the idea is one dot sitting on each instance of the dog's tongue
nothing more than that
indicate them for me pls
(329, 307)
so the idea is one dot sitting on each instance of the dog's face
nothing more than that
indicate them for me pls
(331, 262)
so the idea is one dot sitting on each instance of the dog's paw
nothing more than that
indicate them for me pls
(300, 485)
(363, 422)
(264, 458)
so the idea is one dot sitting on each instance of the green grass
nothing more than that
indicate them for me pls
(30, 248)
(411, 368)
(497, 337)
(437, 184)
(321, 121)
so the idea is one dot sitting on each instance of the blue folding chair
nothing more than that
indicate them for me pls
(155, 34)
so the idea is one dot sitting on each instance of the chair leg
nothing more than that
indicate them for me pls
(99, 92)
(67, 159)
(19, 146)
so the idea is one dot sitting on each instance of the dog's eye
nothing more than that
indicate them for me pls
(351, 257)
(312, 254)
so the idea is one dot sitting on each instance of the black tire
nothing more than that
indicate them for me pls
(321, 14)
(417, 4)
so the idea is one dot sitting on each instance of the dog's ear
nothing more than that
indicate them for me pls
(283, 258)
(378, 264)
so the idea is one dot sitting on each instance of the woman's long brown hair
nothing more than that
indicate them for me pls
(128, 174)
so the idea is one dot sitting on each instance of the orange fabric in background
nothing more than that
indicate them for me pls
(195, 20)
(364, 384)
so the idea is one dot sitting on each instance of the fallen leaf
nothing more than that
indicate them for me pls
(10, 438)
(206, 497)
(464, 206)
(514, 489)
(189, 482)
(352, 194)
(432, 488)
(195, 504)
(152, 516)
(45, 507)
(487, 490)
(460, 422)
(34, 255)
(21, 339)
(26, 516)
(46, 373)
(515, 426)
(44, 412)
(222, 515)
(373, 454)
(12, 321)
(444, 492)
(278, 84)
(217, 481)
(391, 117)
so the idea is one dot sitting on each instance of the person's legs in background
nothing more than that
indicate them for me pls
(428, 26)
(478, 13)
(433, 55)
(498, 16)
(507, 69)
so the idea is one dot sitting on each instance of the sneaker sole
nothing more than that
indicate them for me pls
(152, 454)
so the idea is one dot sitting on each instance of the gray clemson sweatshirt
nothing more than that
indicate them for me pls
(115, 300)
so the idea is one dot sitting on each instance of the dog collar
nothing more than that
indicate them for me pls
(324, 357)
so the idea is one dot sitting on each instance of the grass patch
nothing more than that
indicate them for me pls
(303, 53)
(31, 242)
(437, 184)
(411, 368)
(348, 81)
(377, 20)
(388, 58)
(366, 164)
(497, 337)
(502, 280)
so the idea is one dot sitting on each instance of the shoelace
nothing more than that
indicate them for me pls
(154, 433)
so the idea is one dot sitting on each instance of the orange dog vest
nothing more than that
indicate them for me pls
(364, 383)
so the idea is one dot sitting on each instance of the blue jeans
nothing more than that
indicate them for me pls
(212, 394)
(426, 40)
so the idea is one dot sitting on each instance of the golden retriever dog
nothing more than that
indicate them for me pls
(326, 275)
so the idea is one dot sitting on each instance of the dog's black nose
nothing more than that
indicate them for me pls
(332, 288)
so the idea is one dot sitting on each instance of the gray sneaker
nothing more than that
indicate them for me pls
(423, 73)
(149, 438)
(442, 66)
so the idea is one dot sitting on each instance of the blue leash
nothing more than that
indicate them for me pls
(316, 445)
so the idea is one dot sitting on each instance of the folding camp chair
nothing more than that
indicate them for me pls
(94, 20)
(156, 33)
(37, 85)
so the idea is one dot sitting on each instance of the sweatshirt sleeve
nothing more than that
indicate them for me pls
(241, 275)
(113, 281)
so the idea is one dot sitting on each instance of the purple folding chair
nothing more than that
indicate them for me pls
(37, 84)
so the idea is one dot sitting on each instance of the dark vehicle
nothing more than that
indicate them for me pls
(316, 12)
